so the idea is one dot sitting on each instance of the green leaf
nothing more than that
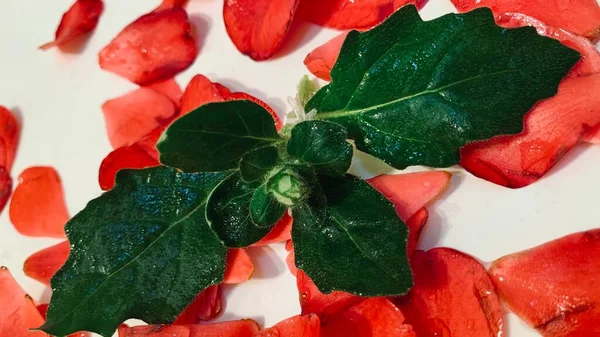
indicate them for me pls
(412, 92)
(306, 90)
(348, 237)
(265, 209)
(322, 144)
(215, 136)
(257, 163)
(142, 250)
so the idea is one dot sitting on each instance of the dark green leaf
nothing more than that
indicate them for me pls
(257, 163)
(412, 93)
(348, 237)
(322, 144)
(142, 250)
(265, 209)
(215, 136)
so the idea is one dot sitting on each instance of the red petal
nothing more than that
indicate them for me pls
(281, 232)
(554, 287)
(169, 88)
(290, 260)
(258, 27)
(148, 142)
(9, 137)
(80, 19)
(18, 313)
(38, 205)
(200, 91)
(207, 305)
(129, 157)
(415, 225)
(315, 302)
(239, 267)
(452, 296)
(43, 308)
(297, 326)
(373, 317)
(593, 136)
(42, 265)
(241, 328)
(5, 187)
(410, 192)
(135, 114)
(578, 16)
(321, 60)
(167, 4)
(551, 129)
(154, 47)
(245, 96)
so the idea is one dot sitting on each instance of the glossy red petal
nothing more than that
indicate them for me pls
(551, 129)
(128, 157)
(314, 301)
(38, 207)
(168, 4)
(154, 47)
(593, 137)
(241, 328)
(10, 132)
(206, 306)
(80, 19)
(297, 326)
(321, 60)
(136, 114)
(169, 88)
(290, 260)
(258, 27)
(578, 16)
(410, 192)
(5, 187)
(200, 91)
(554, 287)
(18, 313)
(43, 308)
(239, 266)
(373, 317)
(148, 142)
(42, 266)
(245, 96)
(415, 225)
(452, 296)
(281, 232)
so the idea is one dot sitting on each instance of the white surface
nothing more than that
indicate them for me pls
(59, 98)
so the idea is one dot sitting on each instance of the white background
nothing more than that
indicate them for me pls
(58, 97)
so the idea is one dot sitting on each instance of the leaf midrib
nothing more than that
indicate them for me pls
(267, 139)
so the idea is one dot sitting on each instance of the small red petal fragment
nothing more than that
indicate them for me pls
(554, 287)
(578, 16)
(128, 157)
(239, 266)
(321, 60)
(207, 305)
(5, 187)
(314, 301)
(43, 308)
(38, 204)
(42, 266)
(10, 132)
(281, 232)
(245, 96)
(258, 27)
(80, 19)
(297, 326)
(452, 296)
(154, 47)
(169, 88)
(290, 260)
(200, 91)
(168, 4)
(136, 114)
(241, 328)
(410, 192)
(373, 317)
(18, 313)
(415, 225)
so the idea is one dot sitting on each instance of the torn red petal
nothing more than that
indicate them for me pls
(281, 232)
(321, 60)
(42, 266)
(128, 157)
(239, 266)
(241, 328)
(245, 96)
(415, 225)
(10, 132)
(561, 279)
(18, 313)
(206, 306)
(80, 19)
(200, 91)
(169, 88)
(5, 187)
(38, 207)
(452, 296)
(154, 47)
(297, 326)
(168, 4)
(314, 301)
(258, 27)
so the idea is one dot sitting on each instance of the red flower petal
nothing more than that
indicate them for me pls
(5, 187)
(10, 132)
(129, 157)
(42, 265)
(241, 328)
(258, 27)
(168, 4)
(135, 114)
(207, 305)
(80, 19)
(578, 16)
(43, 309)
(551, 129)
(593, 136)
(148, 142)
(290, 260)
(554, 287)
(373, 317)
(410, 192)
(452, 296)
(38, 205)
(281, 232)
(18, 313)
(314, 301)
(200, 91)
(154, 47)
(239, 266)
(415, 225)
(169, 88)
(321, 60)
(297, 326)
(244, 96)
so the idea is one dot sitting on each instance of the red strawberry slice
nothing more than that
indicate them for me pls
(18, 313)
(167, 4)
(578, 16)
(258, 27)
(128, 157)
(373, 317)
(314, 301)
(206, 306)
(169, 88)
(10, 132)
(551, 129)
(452, 296)
(297, 326)
(38, 204)
(241, 328)
(79, 20)
(136, 114)
(43, 309)
(239, 266)
(244, 96)
(200, 91)
(554, 287)
(281, 232)
(154, 47)
(42, 266)
(415, 225)
(321, 60)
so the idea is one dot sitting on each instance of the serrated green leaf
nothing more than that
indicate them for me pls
(265, 209)
(412, 92)
(255, 164)
(348, 237)
(215, 136)
(142, 250)
(322, 144)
